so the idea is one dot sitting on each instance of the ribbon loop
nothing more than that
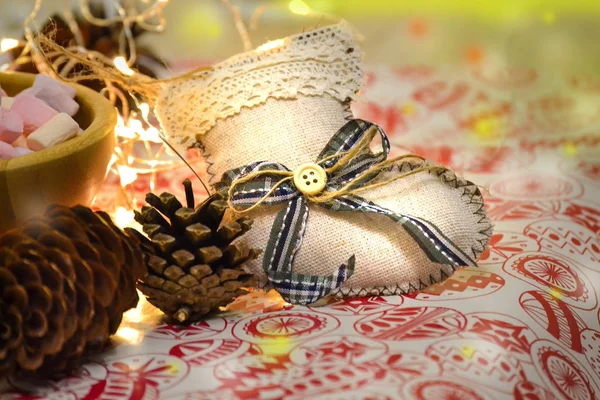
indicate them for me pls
(284, 242)
(257, 183)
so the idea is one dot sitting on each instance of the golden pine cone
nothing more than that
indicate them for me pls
(194, 263)
(66, 279)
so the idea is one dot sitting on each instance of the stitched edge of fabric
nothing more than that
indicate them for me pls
(471, 195)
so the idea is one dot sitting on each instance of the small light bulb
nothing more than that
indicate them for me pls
(127, 175)
(8, 44)
(122, 66)
(124, 217)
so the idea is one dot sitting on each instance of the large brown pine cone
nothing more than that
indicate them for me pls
(65, 281)
(195, 265)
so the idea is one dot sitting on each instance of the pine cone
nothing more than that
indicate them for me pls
(66, 279)
(193, 266)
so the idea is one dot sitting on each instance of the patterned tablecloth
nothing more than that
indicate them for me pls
(523, 325)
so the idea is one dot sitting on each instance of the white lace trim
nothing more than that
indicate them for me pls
(324, 61)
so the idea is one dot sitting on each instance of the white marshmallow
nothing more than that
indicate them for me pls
(59, 129)
(6, 102)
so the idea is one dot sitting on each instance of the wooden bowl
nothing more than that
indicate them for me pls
(70, 173)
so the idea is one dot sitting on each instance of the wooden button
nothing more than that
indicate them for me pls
(310, 179)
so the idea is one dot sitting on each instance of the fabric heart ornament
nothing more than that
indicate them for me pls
(334, 214)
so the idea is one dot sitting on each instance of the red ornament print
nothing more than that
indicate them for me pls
(287, 324)
(531, 391)
(504, 245)
(411, 323)
(478, 361)
(588, 216)
(144, 377)
(514, 336)
(536, 186)
(465, 283)
(588, 84)
(512, 210)
(590, 169)
(204, 353)
(562, 372)
(480, 160)
(554, 273)
(87, 383)
(415, 73)
(590, 341)
(440, 95)
(441, 389)
(358, 306)
(321, 366)
(555, 316)
(505, 77)
(556, 115)
(567, 238)
(198, 330)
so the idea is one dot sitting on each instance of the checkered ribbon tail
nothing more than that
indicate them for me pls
(290, 223)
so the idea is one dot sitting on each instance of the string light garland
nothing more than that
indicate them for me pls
(139, 147)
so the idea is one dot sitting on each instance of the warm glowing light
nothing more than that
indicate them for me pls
(136, 315)
(484, 126)
(122, 66)
(408, 109)
(468, 351)
(151, 134)
(570, 149)
(130, 335)
(134, 129)
(549, 17)
(123, 217)
(299, 7)
(8, 44)
(277, 345)
(474, 55)
(418, 28)
(128, 175)
(556, 294)
(271, 45)
(145, 109)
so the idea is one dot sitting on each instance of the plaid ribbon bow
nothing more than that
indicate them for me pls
(290, 223)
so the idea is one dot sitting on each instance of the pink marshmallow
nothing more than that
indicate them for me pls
(55, 98)
(6, 151)
(11, 126)
(19, 151)
(35, 112)
(44, 81)
(21, 142)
